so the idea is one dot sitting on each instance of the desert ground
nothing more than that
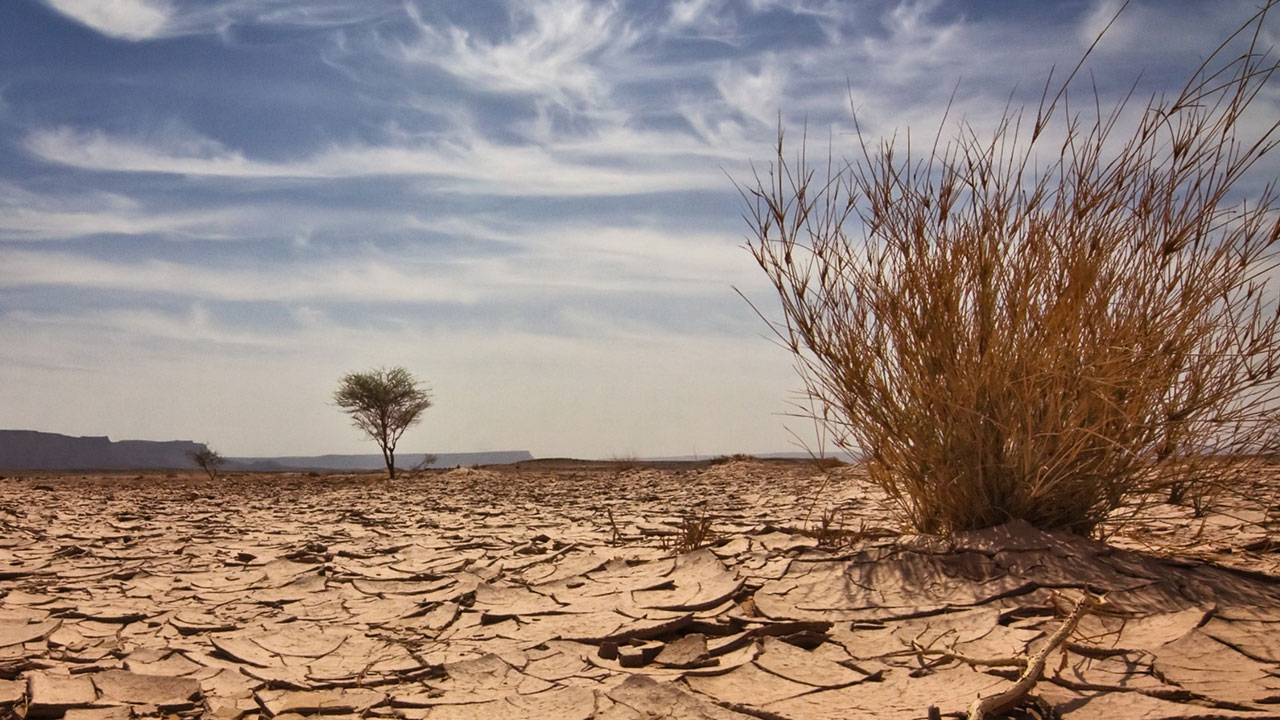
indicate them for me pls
(557, 589)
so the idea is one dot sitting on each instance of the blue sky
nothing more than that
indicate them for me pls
(212, 209)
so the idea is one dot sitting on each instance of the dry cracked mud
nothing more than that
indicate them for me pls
(562, 590)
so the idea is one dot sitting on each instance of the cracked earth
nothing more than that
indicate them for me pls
(570, 590)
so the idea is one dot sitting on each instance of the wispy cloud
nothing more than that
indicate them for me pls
(122, 19)
(696, 14)
(26, 215)
(537, 261)
(604, 258)
(553, 49)
(194, 326)
(756, 94)
(464, 162)
(342, 280)
(141, 20)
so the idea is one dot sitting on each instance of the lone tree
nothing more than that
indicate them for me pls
(383, 403)
(208, 459)
(1048, 319)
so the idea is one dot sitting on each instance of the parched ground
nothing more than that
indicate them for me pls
(572, 590)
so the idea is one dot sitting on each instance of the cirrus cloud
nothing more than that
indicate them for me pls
(465, 162)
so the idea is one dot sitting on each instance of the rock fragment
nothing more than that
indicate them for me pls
(164, 692)
(20, 632)
(689, 651)
(642, 697)
(322, 702)
(245, 650)
(50, 695)
(786, 660)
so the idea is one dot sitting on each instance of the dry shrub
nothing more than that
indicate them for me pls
(208, 459)
(627, 462)
(1042, 322)
(734, 458)
(694, 533)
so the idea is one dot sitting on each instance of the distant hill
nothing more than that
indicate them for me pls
(31, 450)
(373, 462)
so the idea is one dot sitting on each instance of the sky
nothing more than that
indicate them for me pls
(211, 210)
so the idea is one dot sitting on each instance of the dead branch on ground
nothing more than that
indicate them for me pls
(993, 705)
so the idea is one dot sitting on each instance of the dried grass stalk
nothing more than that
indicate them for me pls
(1001, 335)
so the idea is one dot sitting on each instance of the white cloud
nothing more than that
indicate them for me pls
(26, 215)
(755, 94)
(122, 19)
(195, 326)
(706, 20)
(342, 280)
(29, 216)
(467, 163)
(96, 150)
(540, 261)
(693, 13)
(923, 48)
(834, 17)
(637, 258)
(140, 20)
(554, 50)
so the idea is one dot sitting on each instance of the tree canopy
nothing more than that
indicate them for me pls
(383, 403)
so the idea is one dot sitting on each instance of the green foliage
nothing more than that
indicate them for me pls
(383, 403)
(1042, 322)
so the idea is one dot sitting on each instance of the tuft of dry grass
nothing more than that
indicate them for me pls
(1044, 321)
(830, 532)
(693, 533)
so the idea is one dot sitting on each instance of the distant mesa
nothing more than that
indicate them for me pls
(404, 461)
(32, 450)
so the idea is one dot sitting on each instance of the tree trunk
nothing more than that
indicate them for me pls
(389, 457)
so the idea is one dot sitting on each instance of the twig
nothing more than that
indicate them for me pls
(1001, 702)
(948, 655)
(752, 711)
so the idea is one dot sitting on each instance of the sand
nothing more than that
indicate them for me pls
(561, 590)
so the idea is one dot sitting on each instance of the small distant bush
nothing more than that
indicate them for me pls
(422, 466)
(208, 460)
(736, 457)
(627, 462)
(1044, 321)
